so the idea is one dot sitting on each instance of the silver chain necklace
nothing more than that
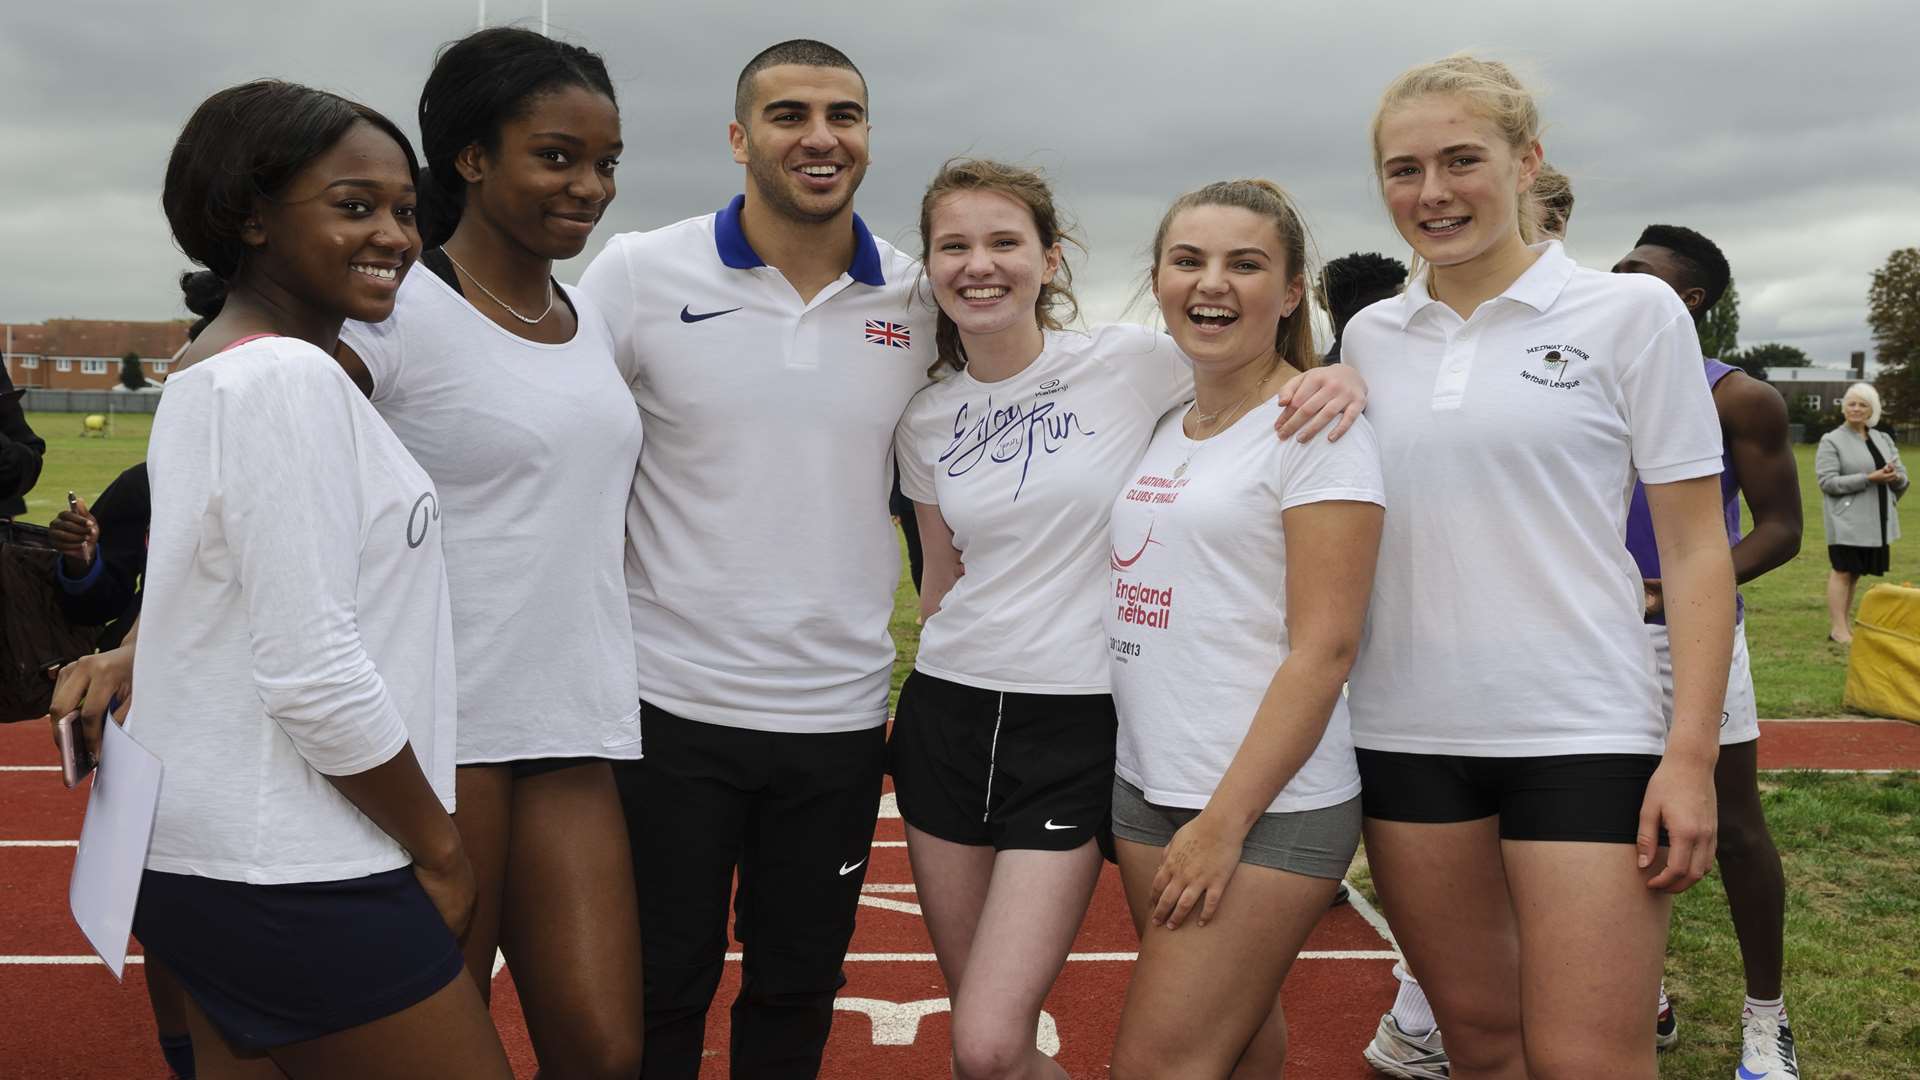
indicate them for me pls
(535, 321)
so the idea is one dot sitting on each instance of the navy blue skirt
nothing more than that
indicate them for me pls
(278, 964)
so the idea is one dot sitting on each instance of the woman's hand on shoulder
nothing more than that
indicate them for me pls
(1194, 871)
(1334, 394)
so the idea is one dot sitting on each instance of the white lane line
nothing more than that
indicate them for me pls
(903, 906)
(29, 768)
(874, 887)
(64, 961)
(734, 957)
(889, 805)
(889, 843)
(1370, 913)
(39, 843)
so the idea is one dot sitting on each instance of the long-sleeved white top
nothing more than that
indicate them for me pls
(295, 624)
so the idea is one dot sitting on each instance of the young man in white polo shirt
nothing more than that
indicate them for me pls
(776, 343)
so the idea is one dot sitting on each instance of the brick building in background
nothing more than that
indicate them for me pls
(84, 354)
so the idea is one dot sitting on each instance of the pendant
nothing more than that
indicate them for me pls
(1180, 470)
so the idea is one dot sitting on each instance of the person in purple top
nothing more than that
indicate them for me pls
(1760, 465)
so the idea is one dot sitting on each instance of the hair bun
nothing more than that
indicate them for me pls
(204, 292)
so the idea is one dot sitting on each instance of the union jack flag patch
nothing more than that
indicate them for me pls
(889, 333)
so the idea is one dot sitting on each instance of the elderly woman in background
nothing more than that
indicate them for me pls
(1861, 476)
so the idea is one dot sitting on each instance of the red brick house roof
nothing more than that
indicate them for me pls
(109, 339)
(29, 339)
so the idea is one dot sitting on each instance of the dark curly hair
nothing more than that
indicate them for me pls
(1698, 257)
(1351, 282)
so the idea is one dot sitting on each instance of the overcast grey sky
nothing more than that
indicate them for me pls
(1788, 133)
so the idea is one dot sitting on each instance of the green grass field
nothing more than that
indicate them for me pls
(1851, 843)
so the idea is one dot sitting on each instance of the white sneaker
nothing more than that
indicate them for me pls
(1408, 1057)
(1766, 1049)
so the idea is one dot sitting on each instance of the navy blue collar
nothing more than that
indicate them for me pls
(734, 250)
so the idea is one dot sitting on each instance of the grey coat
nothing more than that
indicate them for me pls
(1853, 511)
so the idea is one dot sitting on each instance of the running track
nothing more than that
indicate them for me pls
(893, 1021)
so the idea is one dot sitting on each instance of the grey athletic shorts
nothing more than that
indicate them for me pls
(1315, 843)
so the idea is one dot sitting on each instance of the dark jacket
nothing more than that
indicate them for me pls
(20, 451)
(109, 592)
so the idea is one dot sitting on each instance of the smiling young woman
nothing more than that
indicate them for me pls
(305, 883)
(1235, 801)
(1518, 818)
(504, 386)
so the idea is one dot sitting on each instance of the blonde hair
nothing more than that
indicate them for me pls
(1491, 89)
(1055, 307)
(1864, 392)
(1553, 194)
(1293, 339)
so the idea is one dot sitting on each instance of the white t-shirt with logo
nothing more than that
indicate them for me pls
(761, 557)
(532, 448)
(1196, 610)
(296, 620)
(1506, 615)
(1024, 471)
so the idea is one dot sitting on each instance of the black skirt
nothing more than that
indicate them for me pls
(1848, 559)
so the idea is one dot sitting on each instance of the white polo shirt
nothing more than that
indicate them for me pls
(1024, 471)
(1506, 614)
(761, 559)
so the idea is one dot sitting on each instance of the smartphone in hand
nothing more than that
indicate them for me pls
(76, 759)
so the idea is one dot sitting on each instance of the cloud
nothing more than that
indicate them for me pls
(1790, 135)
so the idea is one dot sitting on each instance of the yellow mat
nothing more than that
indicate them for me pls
(1883, 667)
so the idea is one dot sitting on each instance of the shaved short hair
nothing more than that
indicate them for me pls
(805, 52)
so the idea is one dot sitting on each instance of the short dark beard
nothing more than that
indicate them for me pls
(770, 184)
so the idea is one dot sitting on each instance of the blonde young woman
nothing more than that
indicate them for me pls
(1527, 814)
(1861, 478)
(1003, 748)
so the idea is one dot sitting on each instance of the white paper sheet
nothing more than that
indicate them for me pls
(113, 845)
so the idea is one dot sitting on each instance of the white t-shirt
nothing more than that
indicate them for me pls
(1506, 615)
(295, 622)
(1024, 471)
(532, 448)
(1196, 610)
(761, 558)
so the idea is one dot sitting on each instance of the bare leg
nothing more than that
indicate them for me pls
(1592, 938)
(1200, 994)
(484, 795)
(1840, 605)
(571, 925)
(951, 880)
(214, 1058)
(1750, 867)
(1444, 890)
(1034, 906)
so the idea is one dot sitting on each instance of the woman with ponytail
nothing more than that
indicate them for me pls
(503, 384)
(1236, 803)
(305, 884)
(1528, 814)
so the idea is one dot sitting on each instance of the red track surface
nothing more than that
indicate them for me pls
(1333, 1003)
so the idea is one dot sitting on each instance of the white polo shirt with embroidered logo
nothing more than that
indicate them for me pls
(1506, 613)
(761, 559)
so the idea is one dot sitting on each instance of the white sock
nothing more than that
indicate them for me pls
(1772, 1010)
(1411, 1010)
(1661, 1005)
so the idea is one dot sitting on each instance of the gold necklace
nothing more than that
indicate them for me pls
(535, 321)
(1210, 420)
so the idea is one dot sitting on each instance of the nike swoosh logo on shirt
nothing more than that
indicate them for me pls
(1051, 827)
(687, 315)
(845, 869)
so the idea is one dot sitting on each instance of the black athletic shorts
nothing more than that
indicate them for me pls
(1590, 797)
(1014, 771)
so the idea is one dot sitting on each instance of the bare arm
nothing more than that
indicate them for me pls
(1320, 396)
(1332, 547)
(940, 567)
(1756, 427)
(396, 796)
(1692, 540)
